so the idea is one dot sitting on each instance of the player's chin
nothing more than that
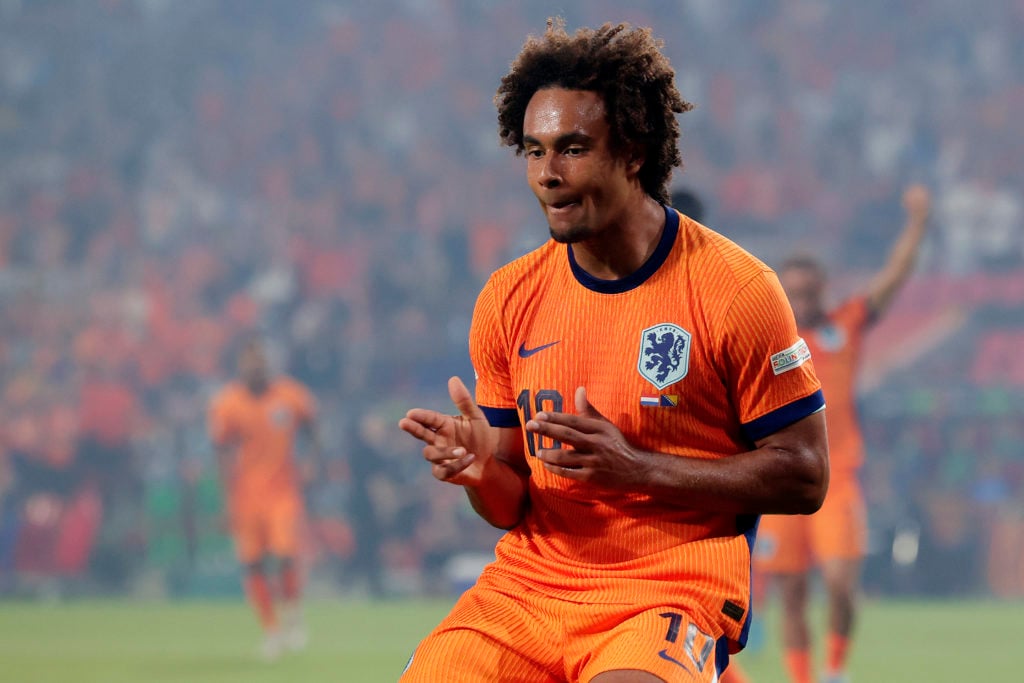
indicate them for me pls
(569, 234)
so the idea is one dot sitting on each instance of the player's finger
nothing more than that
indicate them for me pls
(558, 432)
(575, 473)
(435, 454)
(417, 430)
(450, 468)
(418, 422)
(584, 407)
(463, 400)
(430, 419)
(564, 458)
(584, 425)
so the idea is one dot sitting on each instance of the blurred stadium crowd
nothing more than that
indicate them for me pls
(177, 175)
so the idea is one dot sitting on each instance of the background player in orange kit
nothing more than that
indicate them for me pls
(642, 396)
(835, 537)
(253, 423)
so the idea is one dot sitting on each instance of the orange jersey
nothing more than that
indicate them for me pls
(695, 354)
(262, 428)
(836, 349)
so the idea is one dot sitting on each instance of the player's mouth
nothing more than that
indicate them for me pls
(562, 207)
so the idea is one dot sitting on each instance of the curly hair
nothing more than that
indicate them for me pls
(625, 66)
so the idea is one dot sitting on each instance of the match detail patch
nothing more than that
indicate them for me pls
(791, 358)
(733, 611)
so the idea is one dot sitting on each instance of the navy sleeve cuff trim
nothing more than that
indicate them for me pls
(501, 417)
(784, 416)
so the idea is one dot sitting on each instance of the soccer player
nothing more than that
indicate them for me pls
(835, 537)
(642, 396)
(253, 423)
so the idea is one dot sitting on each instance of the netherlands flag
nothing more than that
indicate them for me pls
(660, 401)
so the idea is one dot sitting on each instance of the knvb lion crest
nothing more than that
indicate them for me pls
(664, 354)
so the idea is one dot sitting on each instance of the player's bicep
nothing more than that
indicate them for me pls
(803, 447)
(807, 436)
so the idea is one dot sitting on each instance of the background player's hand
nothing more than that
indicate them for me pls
(600, 453)
(458, 447)
(917, 203)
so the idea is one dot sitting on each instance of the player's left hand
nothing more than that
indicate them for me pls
(600, 454)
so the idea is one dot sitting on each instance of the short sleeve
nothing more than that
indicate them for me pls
(221, 426)
(489, 352)
(769, 372)
(854, 315)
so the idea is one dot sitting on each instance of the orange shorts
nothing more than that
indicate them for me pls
(792, 544)
(503, 631)
(270, 528)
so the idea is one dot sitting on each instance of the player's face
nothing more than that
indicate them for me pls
(253, 367)
(581, 184)
(804, 289)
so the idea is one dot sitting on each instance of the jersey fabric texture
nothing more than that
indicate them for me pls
(502, 631)
(696, 354)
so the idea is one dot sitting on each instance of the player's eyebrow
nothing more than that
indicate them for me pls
(573, 138)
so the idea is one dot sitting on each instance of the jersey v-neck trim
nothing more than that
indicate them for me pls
(641, 274)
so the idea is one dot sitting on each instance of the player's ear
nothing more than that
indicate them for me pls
(636, 154)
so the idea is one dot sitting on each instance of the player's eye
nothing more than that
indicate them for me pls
(574, 151)
(534, 153)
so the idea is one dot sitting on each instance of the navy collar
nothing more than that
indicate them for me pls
(641, 274)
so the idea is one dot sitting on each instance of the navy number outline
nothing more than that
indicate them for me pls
(545, 400)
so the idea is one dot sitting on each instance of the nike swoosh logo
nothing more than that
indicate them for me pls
(526, 353)
(665, 655)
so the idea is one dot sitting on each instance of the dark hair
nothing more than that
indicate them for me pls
(688, 203)
(804, 262)
(626, 68)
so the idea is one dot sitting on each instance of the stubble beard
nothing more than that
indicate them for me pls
(576, 233)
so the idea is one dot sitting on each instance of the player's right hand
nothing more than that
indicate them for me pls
(917, 202)
(458, 447)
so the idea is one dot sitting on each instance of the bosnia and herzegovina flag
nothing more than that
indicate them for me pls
(660, 401)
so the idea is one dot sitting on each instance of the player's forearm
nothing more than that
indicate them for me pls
(900, 263)
(501, 497)
(767, 480)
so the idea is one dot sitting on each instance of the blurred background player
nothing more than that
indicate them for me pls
(253, 423)
(834, 537)
(689, 203)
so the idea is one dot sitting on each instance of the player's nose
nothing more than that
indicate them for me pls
(549, 176)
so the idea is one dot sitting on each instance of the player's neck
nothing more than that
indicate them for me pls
(622, 248)
(258, 387)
